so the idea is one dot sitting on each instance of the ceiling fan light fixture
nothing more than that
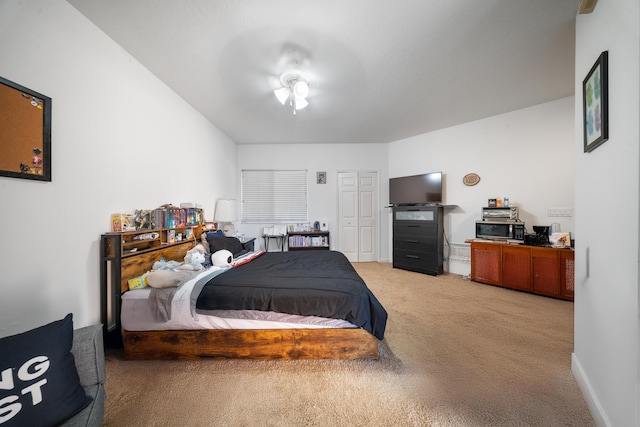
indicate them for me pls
(282, 94)
(301, 89)
(295, 89)
(300, 103)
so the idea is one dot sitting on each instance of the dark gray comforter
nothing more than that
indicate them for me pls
(307, 283)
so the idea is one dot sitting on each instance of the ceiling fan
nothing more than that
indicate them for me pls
(295, 85)
(294, 90)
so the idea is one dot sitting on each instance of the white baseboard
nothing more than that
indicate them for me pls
(597, 412)
(461, 268)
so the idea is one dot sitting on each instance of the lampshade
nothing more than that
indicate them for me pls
(300, 103)
(226, 212)
(282, 94)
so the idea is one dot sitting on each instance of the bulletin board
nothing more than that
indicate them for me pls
(25, 132)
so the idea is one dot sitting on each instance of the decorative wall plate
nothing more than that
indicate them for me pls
(471, 179)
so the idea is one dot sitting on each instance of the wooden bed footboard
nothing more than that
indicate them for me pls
(267, 344)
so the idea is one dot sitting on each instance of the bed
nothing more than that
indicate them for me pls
(297, 305)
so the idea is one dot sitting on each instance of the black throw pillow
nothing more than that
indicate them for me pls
(217, 243)
(39, 382)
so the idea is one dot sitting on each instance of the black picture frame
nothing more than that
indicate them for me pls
(595, 104)
(25, 132)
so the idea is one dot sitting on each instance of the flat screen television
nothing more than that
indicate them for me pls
(416, 189)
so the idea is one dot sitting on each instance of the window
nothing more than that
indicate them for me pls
(273, 196)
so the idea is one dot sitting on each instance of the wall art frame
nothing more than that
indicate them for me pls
(595, 104)
(471, 179)
(321, 177)
(25, 132)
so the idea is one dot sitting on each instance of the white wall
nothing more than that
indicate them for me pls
(606, 356)
(525, 155)
(323, 198)
(121, 140)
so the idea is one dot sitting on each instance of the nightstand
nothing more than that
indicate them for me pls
(248, 243)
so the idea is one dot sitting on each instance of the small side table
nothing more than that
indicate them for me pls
(279, 238)
(248, 243)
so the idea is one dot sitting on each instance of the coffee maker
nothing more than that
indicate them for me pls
(540, 238)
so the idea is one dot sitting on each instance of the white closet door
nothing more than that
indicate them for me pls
(358, 215)
(367, 218)
(348, 215)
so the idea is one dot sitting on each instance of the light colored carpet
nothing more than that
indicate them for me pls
(456, 353)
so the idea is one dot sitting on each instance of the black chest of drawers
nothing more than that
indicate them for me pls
(418, 234)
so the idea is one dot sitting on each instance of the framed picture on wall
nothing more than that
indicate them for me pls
(25, 132)
(321, 177)
(595, 104)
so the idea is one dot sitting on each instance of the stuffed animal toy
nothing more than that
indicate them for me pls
(197, 249)
(193, 259)
(197, 259)
(222, 258)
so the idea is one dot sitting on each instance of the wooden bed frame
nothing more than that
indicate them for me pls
(334, 343)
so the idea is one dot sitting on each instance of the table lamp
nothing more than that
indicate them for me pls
(226, 213)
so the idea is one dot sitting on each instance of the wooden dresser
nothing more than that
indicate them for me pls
(534, 269)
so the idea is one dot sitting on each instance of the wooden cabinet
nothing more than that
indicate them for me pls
(567, 278)
(546, 271)
(418, 234)
(487, 267)
(516, 267)
(305, 240)
(539, 270)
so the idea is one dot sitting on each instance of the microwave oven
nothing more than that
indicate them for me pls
(500, 230)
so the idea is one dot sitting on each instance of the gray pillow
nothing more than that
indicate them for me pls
(44, 383)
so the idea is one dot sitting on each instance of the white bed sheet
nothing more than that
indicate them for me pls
(136, 315)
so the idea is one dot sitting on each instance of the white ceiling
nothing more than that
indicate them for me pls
(380, 70)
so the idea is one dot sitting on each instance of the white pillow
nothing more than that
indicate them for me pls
(222, 258)
(167, 278)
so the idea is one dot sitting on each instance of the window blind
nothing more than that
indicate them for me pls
(273, 196)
